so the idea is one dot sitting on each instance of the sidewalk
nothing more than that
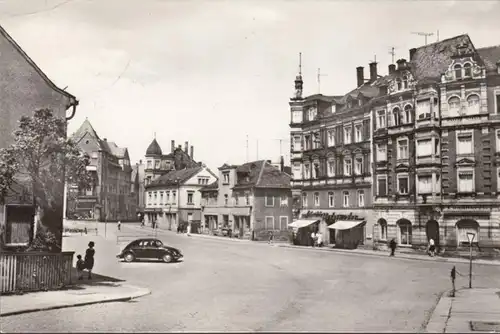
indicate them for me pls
(471, 310)
(400, 255)
(101, 289)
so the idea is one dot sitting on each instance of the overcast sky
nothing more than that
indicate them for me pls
(214, 72)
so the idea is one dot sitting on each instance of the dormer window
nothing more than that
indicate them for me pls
(405, 82)
(467, 70)
(312, 113)
(458, 71)
(360, 102)
(333, 108)
(399, 84)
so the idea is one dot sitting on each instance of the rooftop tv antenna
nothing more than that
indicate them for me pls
(392, 53)
(319, 79)
(425, 34)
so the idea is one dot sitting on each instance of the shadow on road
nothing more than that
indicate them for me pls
(95, 281)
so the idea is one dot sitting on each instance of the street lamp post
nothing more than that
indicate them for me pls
(471, 237)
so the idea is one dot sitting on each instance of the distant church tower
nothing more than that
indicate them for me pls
(153, 162)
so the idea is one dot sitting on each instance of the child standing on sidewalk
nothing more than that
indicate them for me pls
(80, 266)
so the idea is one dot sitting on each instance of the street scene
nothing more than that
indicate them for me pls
(249, 166)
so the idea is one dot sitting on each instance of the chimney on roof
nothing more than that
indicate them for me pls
(412, 53)
(172, 145)
(401, 63)
(105, 139)
(191, 153)
(373, 71)
(179, 147)
(140, 162)
(282, 163)
(392, 68)
(360, 75)
(269, 161)
(186, 147)
(498, 67)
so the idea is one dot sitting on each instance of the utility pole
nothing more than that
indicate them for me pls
(425, 34)
(319, 79)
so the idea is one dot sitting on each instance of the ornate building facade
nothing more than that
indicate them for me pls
(436, 144)
(331, 159)
(110, 197)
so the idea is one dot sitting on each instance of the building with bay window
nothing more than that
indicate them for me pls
(331, 159)
(436, 130)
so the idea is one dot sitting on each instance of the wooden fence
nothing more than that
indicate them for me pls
(34, 271)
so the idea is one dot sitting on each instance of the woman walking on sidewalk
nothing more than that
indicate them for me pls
(89, 258)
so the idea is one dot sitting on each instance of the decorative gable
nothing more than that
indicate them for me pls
(402, 82)
(463, 67)
(465, 162)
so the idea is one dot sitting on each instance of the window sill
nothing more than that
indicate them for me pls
(22, 244)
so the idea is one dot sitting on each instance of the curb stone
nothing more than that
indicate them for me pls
(142, 292)
(440, 314)
(400, 256)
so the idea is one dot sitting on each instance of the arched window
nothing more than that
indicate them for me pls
(404, 231)
(405, 82)
(407, 113)
(399, 85)
(382, 223)
(467, 70)
(473, 104)
(304, 199)
(396, 115)
(454, 103)
(458, 71)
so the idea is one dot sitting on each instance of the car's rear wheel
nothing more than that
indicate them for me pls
(129, 257)
(167, 258)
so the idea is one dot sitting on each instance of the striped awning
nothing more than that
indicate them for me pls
(347, 224)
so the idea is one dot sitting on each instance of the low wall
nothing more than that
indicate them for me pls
(34, 271)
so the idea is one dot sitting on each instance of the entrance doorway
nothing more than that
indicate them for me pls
(432, 231)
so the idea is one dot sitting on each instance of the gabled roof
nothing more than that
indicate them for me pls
(432, 60)
(73, 100)
(261, 174)
(112, 148)
(176, 177)
(154, 148)
(85, 128)
(490, 56)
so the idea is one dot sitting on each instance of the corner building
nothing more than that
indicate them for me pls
(331, 159)
(436, 144)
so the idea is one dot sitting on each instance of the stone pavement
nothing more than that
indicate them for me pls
(101, 289)
(73, 296)
(471, 310)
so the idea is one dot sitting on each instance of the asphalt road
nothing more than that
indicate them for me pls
(225, 285)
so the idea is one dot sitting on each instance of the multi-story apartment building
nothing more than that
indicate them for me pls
(331, 159)
(250, 199)
(110, 196)
(436, 144)
(24, 89)
(174, 198)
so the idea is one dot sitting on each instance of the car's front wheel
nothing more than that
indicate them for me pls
(129, 257)
(167, 258)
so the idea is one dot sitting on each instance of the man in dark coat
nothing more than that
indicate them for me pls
(392, 246)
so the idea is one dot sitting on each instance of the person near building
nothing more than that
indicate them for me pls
(89, 258)
(392, 246)
(313, 238)
(271, 236)
(119, 225)
(319, 238)
(432, 247)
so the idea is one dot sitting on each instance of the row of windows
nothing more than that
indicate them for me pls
(167, 197)
(360, 198)
(269, 200)
(313, 141)
(274, 224)
(313, 171)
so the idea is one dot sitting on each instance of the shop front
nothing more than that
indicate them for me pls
(348, 233)
(302, 229)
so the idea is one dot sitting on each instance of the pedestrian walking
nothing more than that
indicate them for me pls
(80, 267)
(453, 276)
(89, 258)
(432, 248)
(392, 246)
(271, 237)
(119, 225)
(142, 223)
(188, 229)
